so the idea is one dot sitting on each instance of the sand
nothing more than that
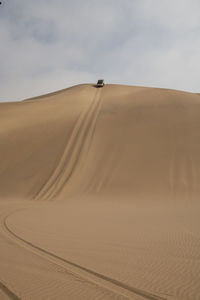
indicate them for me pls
(99, 195)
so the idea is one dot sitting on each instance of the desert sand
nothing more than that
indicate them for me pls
(99, 195)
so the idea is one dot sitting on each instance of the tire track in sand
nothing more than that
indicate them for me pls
(8, 292)
(78, 269)
(79, 138)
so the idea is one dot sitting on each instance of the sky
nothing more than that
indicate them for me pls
(48, 45)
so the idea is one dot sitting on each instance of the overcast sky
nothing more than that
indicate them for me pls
(48, 45)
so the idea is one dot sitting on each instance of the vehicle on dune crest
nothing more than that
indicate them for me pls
(100, 83)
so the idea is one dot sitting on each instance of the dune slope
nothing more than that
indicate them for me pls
(119, 140)
(113, 175)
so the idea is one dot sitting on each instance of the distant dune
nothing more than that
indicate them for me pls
(99, 194)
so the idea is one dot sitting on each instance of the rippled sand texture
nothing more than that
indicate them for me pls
(99, 195)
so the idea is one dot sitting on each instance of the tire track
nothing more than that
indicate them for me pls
(82, 143)
(8, 292)
(72, 151)
(47, 254)
(55, 265)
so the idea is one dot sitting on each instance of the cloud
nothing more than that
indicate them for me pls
(48, 45)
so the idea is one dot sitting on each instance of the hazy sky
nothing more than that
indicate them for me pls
(47, 45)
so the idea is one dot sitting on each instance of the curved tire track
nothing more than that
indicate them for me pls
(107, 279)
(8, 292)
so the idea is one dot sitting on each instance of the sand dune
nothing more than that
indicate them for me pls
(99, 195)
